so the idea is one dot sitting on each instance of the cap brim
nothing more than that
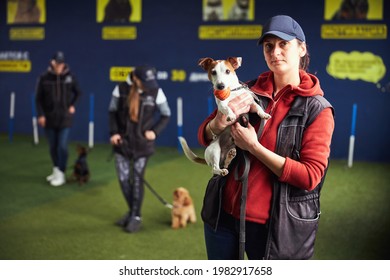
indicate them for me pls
(279, 34)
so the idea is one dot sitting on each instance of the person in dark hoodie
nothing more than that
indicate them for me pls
(288, 155)
(133, 131)
(56, 94)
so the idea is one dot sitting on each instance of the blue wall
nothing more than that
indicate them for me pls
(167, 37)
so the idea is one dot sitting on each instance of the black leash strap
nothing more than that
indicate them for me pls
(244, 192)
(163, 201)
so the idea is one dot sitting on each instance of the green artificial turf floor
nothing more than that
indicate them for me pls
(72, 222)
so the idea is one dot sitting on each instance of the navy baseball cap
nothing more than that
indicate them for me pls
(59, 57)
(283, 27)
(147, 75)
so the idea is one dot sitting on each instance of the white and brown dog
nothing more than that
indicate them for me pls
(183, 210)
(226, 84)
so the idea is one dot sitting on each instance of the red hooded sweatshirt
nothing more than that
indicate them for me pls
(305, 174)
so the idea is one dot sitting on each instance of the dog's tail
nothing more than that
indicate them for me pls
(190, 154)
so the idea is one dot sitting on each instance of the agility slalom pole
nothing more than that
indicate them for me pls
(179, 121)
(34, 120)
(352, 137)
(91, 121)
(11, 117)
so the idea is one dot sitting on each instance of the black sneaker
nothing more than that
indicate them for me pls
(122, 222)
(133, 225)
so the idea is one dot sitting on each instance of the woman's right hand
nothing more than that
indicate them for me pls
(241, 104)
(42, 121)
(116, 140)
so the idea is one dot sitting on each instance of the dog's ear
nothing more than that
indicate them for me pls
(187, 200)
(205, 62)
(235, 61)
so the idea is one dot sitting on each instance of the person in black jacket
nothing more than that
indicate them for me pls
(56, 94)
(133, 130)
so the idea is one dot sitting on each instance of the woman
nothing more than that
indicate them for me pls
(56, 95)
(133, 130)
(288, 156)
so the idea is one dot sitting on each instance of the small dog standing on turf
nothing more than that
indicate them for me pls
(80, 169)
(183, 210)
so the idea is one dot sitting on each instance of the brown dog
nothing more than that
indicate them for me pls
(81, 172)
(183, 210)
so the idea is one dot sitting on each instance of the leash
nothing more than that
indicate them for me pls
(244, 182)
(244, 191)
(162, 200)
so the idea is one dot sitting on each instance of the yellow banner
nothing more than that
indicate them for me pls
(354, 31)
(119, 74)
(27, 33)
(15, 66)
(229, 32)
(119, 33)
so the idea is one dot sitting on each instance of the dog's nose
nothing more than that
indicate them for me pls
(220, 86)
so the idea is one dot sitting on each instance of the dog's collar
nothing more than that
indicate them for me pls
(242, 85)
(238, 88)
(245, 86)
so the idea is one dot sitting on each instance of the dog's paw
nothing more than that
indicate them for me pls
(229, 157)
(264, 115)
(224, 172)
(231, 118)
(232, 153)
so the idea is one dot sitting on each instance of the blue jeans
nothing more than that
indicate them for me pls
(58, 146)
(223, 244)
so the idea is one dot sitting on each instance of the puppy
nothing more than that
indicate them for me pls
(183, 210)
(80, 169)
(226, 84)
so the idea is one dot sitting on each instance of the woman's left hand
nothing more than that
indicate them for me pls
(150, 135)
(244, 137)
